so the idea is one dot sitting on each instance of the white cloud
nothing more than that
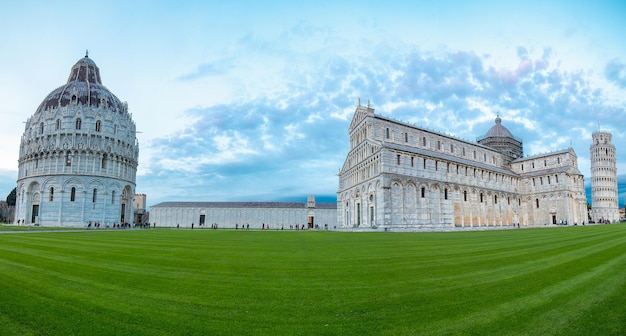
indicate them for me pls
(243, 108)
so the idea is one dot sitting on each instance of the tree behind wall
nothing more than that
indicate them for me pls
(11, 197)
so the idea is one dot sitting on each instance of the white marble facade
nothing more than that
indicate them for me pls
(397, 175)
(252, 215)
(604, 193)
(78, 156)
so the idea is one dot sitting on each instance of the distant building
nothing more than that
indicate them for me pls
(6, 212)
(256, 215)
(141, 216)
(604, 199)
(397, 175)
(78, 156)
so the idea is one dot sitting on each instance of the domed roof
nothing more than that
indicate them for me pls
(498, 130)
(83, 87)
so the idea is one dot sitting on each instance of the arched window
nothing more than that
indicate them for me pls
(78, 123)
(465, 195)
(41, 128)
(495, 199)
(98, 125)
(445, 193)
(103, 163)
(68, 159)
(95, 193)
(537, 202)
(73, 194)
(481, 197)
(423, 192)
(113, 197)
(51, 194)
(58, 126)
(74, 99)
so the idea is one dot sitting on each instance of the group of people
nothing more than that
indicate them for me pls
(97, 225)
(298, 227)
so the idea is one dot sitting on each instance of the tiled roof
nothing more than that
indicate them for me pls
(258, 205)
(532, 157)
(446, 157)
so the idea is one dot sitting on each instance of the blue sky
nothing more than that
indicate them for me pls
(245, 100)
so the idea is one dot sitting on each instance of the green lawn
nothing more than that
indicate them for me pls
(11, 227)
(558, 281)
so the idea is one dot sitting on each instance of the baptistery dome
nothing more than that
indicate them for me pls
(78, 156)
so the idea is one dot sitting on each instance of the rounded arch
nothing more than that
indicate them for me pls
(34, 190)
(397, 199)
(96, 183)
(73, 182)
(126, 204)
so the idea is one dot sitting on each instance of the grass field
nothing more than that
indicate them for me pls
(559, 281)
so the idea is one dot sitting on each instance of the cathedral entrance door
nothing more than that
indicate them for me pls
(553, 219)
(311, 222)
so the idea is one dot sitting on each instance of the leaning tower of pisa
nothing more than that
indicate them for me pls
(603, 178)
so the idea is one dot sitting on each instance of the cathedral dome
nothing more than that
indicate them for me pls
(502, 140)
(83, 87)
(498, 130)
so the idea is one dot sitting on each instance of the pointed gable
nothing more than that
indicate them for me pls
(360, 114)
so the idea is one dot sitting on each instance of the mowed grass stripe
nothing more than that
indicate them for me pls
(157, 282)
(545, 308)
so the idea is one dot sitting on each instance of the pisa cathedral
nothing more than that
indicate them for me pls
(78, 156)
(397, 175)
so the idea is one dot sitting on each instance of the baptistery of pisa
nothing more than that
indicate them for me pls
(78, 156)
